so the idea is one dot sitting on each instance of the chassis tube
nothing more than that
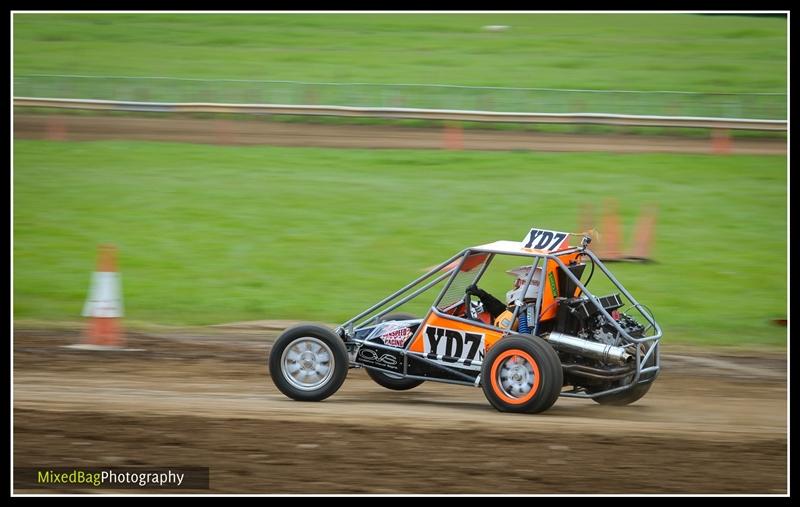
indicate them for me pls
(595, 373)
(428, 379)
(405, 353)
(400, 291)
(405, 299)
(603, 310)
(633, 300)
(464, 255)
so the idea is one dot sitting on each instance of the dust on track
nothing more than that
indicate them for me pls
(204, 398)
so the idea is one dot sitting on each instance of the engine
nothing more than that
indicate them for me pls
(600, 330)
(582, 331)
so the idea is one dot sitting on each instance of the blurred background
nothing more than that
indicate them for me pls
(376, 145)
(211, 233)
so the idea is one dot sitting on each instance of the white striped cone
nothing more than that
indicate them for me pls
(104, 304)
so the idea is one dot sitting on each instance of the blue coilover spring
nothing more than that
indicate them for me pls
(523, 322)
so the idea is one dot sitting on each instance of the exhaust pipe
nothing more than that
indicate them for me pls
(600, 351)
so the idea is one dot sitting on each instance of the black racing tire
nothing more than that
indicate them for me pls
(538, 369)
(626, 397)
(631, 395)
(388, 380)
(316, 349)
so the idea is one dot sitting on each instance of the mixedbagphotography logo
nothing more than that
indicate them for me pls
(111, 477)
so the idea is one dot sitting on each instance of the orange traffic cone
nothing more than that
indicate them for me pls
(56, 130)
(610, 243)
(721, 142)
(643, 239)
(104, 305)
(453, 137)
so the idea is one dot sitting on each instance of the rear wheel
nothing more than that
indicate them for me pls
(308, 362)
(631, 395)
(390, 380)
(638, 391)
(626, 397)
(522, 375)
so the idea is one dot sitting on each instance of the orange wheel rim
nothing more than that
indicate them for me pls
(515, 376)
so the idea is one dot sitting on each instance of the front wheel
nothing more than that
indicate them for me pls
(522, 375)
(308, 362)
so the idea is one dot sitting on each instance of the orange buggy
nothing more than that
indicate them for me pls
(551, 336)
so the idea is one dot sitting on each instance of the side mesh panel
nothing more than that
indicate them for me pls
(466, 276)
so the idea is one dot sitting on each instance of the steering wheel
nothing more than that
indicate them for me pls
(468, 305)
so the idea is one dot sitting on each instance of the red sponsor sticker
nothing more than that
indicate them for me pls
(396, 338)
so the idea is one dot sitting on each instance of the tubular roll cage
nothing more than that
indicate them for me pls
(372, 315)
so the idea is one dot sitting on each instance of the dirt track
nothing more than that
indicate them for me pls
(252, 132)
(711, 424)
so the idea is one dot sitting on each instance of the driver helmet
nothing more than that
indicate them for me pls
(521, 274)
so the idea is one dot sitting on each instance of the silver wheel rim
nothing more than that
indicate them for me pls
(515, 377)
(307, 363)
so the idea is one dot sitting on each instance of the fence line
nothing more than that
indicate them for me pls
(433, 85)
(409, 96)
(408, 113)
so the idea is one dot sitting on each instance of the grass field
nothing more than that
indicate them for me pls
(595, 51)
(213, 234)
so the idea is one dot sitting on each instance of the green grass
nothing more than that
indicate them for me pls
(217, 234)
(595, 51)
